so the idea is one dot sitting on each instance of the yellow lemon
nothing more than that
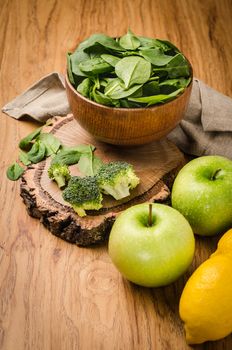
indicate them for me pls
(206, 301)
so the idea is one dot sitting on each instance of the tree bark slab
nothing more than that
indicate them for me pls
(156, 164)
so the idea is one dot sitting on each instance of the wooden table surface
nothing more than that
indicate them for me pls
(54, 295)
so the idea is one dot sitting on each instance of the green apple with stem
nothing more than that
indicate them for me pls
(202, 192)
(151, 244)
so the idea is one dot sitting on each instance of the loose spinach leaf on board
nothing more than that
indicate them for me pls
(133, 70)
(89, 164)
(51, 143)
(23, 157)
(151, 100)
(71, 155)
(14, 172)
(129, 41)
(26, 142)
(37, 152)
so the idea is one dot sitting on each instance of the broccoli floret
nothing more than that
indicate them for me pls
(83, 194)
(116, 179)
(59, 173)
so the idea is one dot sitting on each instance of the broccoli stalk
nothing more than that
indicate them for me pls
(59, 173)
(83, 194)
(117, 179)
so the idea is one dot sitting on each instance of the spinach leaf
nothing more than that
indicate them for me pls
(129, 53)
(167, 89)
(151, 88)
(167, 45)
(84, 87)
(26, 142)
(103, 82)
(129, 41)
(151, 100)
(75, 59)
(51, 143)
(138, 92)
(177, 67)
(84, 148)
(96, 82)
(37, 152)
(101, 39)
(156, 57)
(154, 78)
(89, 164)
(124, 103)
(71, 155)
(110, 59)
(95, 66)
(23, 157)
(96, 51)
(185, 82)
(133, 70)
(69, 68)
(14, 172)
(169, 85)
(116, 89)
(174, 82)
(101, 98)
(148, 42)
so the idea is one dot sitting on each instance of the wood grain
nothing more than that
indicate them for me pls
(55, 295)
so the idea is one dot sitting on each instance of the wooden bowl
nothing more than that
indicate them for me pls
(127, 126)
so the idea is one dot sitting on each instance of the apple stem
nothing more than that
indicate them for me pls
(150, 215)
(214, 176)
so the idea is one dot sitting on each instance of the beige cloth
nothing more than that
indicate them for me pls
(206, 127)
(41, 101)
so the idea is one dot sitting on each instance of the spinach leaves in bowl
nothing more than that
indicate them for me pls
(128, 72)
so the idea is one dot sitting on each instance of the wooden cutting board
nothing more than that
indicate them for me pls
(156, 164)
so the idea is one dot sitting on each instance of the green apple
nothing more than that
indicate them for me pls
(202, 192)
(154, 253)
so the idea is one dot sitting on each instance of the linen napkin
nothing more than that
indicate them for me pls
(205, 129)
(207, 125)
(41, 101)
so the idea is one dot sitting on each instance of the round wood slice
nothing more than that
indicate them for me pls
(156, 164)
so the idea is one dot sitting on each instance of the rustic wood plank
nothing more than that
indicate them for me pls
(55, 295)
